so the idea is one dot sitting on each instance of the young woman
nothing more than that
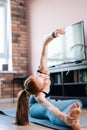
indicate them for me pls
(37, 88)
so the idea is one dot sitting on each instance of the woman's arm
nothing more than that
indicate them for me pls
(43, 61)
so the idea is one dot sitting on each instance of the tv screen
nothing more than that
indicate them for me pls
(69, 47)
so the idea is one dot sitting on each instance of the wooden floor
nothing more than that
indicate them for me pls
(7, 123)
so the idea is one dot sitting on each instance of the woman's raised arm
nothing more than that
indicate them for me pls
(43, 61)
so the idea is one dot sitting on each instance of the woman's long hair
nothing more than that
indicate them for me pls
(31, 87)
(22, 109)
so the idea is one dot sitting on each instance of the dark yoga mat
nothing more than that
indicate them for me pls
(46, 123)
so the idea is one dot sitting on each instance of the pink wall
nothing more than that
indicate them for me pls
(45, 16)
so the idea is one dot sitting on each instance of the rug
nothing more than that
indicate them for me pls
(43, 122)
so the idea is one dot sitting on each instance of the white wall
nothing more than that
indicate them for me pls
(45, 16)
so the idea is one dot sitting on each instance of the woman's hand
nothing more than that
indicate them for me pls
(70, 121)
(58, 32)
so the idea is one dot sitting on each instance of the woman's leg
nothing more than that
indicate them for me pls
(38, 111)
(31, 101)
(64, 106)
(69, 104)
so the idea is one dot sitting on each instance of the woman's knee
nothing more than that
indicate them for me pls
(38, 111)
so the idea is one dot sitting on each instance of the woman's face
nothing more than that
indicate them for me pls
(42, 79)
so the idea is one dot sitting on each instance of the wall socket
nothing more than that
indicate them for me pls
(5, 67)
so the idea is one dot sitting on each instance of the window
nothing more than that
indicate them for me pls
(5, 35)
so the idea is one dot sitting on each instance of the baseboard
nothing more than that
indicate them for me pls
(9, 100)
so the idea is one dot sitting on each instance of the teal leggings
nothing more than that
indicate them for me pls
(38, 111)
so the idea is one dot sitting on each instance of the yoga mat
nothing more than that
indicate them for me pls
(46, 123)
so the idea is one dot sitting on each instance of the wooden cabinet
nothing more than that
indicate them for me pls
(69, 81)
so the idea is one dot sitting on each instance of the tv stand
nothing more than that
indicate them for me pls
(77, 62)
(69, 81)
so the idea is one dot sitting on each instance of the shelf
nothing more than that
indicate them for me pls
(67, 67)
(69, 81)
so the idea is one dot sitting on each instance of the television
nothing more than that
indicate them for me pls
(68, 48)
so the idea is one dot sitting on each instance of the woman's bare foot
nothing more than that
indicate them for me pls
(75, 113)
(75, 110)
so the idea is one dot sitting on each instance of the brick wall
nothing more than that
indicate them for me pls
(19, 48)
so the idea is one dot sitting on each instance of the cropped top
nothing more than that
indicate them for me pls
(46, 94)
